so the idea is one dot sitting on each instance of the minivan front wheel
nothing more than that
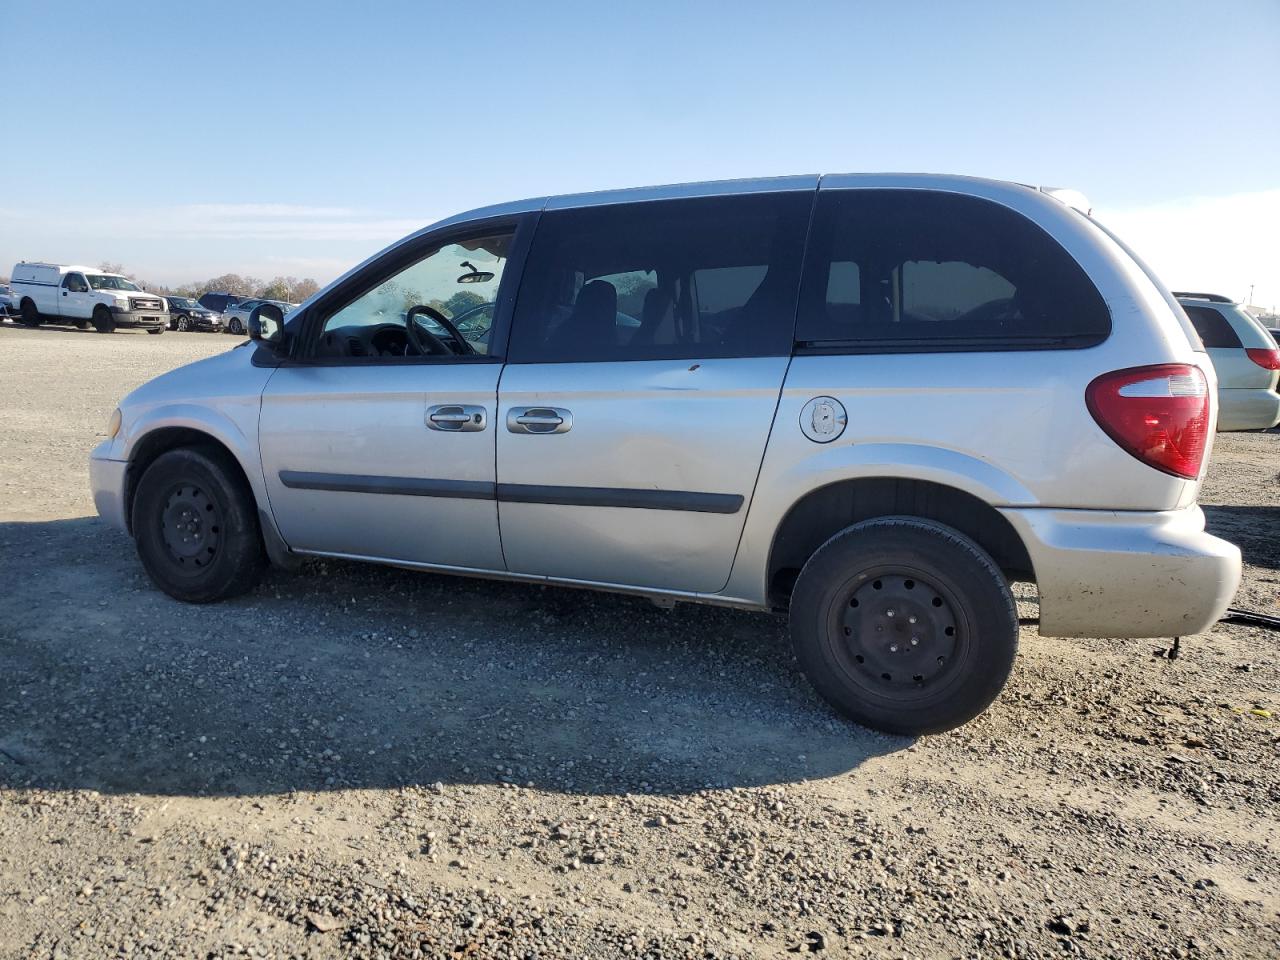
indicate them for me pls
(904, 625)
(196, 531)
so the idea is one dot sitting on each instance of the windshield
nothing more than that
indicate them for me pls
(183, 302)
(106, 282)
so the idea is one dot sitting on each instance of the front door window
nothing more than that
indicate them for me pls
(439, 306)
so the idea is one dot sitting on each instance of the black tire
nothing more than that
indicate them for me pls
(234, 326)
(196, 527)
(904, 625)
(103, 322)
(30, 315)
(156, 331)
(183, 325)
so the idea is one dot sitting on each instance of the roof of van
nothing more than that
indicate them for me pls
(712, 188)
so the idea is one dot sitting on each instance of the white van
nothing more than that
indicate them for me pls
(44, 292)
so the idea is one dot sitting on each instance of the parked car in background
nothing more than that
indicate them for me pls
(875, 429)
(1245, 356)
(219, 302)
(7, 306)
(236, 317)
(50, 292)
(187, 314)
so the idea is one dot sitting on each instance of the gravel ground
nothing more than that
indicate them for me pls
(362, 761)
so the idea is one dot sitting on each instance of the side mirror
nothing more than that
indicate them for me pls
(266, 325)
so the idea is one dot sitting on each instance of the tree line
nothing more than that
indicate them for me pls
(288, 289)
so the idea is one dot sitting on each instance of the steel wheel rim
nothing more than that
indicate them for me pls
(190, 527)
(898, 634)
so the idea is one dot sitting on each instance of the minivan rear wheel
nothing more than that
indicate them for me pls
(904, 625)
(196, 530)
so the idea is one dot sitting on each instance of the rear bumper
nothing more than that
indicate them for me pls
(107, 479)
(1127, 573)
(1243, 408)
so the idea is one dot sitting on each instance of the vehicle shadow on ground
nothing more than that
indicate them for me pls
(348, 676)
(1254, 529)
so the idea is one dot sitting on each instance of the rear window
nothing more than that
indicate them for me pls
(1212, 326)
(922, 270)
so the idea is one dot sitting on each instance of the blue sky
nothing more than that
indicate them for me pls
(188, 140)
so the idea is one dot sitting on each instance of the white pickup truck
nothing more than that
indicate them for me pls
(82, 295)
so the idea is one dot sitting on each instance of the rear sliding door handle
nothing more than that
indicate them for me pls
(539, 420)
(457, 418)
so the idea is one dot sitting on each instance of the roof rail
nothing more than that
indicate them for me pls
(1211, 297)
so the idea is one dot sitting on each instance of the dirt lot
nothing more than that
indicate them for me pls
(364, 761)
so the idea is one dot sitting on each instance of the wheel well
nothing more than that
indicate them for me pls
(821, 514)
(153, 444)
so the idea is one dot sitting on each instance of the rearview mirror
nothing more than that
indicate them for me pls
(266, 325)
(473, 275)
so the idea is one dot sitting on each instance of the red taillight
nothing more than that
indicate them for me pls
(1266, 359)
(1160, 414)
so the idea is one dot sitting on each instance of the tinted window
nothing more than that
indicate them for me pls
(917, 269)
(1212, 326)
(669, 279)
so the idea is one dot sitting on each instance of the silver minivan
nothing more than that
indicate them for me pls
(1245, 359)
(870, 401)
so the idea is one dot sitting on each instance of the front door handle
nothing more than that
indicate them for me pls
(457, 418)
(539, 420)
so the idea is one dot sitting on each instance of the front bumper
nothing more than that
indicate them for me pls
(1122, 573)
(107, 481)
(138, 318)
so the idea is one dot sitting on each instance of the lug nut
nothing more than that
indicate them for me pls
(915, 641)
(893, 648)
(888, 613)
(911, 619)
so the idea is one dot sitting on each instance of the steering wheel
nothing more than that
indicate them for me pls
(429, 342)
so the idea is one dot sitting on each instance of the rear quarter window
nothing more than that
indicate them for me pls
(893, 270)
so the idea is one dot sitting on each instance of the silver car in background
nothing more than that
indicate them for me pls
(871, 401)
(235, 318)
(1245, 357)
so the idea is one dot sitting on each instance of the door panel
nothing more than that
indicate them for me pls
(679, 442)
(365, 474)
(77, 304)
